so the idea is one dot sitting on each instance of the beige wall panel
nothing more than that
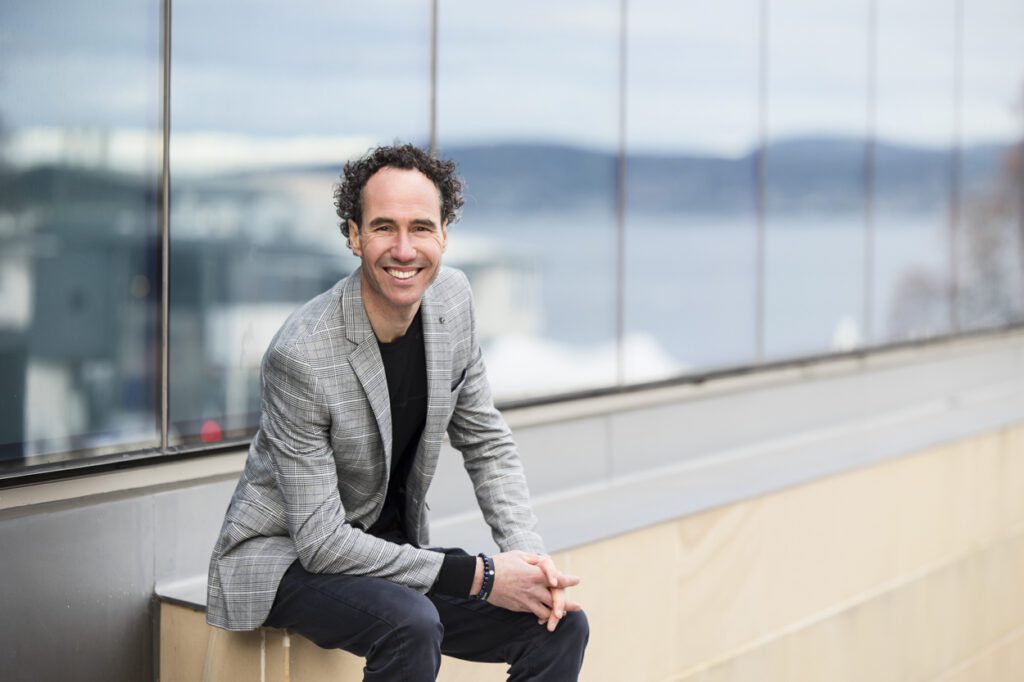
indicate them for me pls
(454, 670)
(277, 659)
(761, 565)
(1002, 662)
(183, 639)
(915, 632)
(231, 656)
(1009, 479)
(310, 663)
(630, 601)
(897, 571)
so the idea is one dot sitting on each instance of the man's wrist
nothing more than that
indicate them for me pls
(487, 582)
(456, 575)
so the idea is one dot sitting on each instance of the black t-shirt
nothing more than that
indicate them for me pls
(405, 367)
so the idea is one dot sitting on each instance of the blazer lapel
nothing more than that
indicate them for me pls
(437, 349)
(365, 359)
(439, 368)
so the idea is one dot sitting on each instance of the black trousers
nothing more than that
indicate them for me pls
(402, 633)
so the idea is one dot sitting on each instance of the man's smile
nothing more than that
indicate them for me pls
(401, 274)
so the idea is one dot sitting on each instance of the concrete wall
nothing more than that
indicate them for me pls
(81, 559)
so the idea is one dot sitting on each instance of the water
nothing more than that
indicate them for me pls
(691, 281)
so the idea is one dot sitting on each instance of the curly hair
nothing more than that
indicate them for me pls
(348, 194)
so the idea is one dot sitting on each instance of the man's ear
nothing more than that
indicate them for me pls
(353, 238)
(444, 237)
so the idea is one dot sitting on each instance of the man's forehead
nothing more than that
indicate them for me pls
(391, 184)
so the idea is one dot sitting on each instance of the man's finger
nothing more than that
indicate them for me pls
(566, 580)
(557, 608)
(558, 602)
(542, 612)
(543, 595)
(551, 571)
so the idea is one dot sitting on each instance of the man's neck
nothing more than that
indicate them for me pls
(388, 323)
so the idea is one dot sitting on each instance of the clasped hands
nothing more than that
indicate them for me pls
(530, 583)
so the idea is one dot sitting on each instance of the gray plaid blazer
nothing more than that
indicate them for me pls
(318, 467)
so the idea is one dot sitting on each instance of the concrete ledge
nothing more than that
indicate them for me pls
(599, 476)
(901, 362)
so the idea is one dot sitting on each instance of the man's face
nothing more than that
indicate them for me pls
(400, 241)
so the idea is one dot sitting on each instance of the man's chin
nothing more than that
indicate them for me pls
(404, 298)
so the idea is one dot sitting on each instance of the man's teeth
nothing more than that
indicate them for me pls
(402, 274)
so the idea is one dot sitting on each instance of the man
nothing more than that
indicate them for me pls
(327, 532)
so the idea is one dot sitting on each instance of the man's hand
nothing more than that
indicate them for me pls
(557, 582)
(532, 583)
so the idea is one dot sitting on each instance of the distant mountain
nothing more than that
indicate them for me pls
(528, 177)
(802, 174)
(808, 174)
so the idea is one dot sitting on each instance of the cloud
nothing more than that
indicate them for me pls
(197, 153)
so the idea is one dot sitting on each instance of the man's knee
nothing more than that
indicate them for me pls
(419, 623)
(555, 655)
(408, 645)
(575, 629)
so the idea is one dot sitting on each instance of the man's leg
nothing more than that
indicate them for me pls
(478, 631)
(395, 628)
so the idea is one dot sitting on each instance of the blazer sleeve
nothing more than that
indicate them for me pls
(491, 458)
(295, 437)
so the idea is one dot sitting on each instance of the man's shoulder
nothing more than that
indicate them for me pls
(311, 321)
(451, 286)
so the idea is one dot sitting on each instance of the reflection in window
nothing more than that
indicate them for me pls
(990, 239)
(814, 176)
(258, 140)
(912, 178)
(528, 107)
(690, 193)
(79, 161)
(893, 193)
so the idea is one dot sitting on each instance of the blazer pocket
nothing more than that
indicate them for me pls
(459, 383)
(457, 387)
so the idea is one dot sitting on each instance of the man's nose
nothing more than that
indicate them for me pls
(402, 248)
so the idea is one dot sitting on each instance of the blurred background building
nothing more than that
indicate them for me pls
(670, 207)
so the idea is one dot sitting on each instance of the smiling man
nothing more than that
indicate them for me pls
(327, 533)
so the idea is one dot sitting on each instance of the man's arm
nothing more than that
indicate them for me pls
(525, 578)
(479, 432)
(295, 437)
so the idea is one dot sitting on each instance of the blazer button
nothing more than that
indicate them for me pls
(441, 319)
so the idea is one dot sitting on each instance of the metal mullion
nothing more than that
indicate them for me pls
(869, 172)
(164, 233)
(955, 180)
(433, 76)
(759, 178)
(620, 202)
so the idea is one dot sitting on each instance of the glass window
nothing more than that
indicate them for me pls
(269, 100)
(990, 238)
(815, 176)
(692, 132)
(80, 141)
(891, 134)
(912, 172)
(528, 107)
